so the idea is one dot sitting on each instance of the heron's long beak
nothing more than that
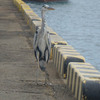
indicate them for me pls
(49, 8)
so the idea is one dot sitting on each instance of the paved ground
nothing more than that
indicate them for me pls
(17, 65)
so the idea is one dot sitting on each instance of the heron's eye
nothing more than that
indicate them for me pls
(44, 7)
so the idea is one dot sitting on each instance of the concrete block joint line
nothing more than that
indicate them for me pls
(82, 78)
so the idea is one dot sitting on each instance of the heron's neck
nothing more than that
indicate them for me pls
(43, 26)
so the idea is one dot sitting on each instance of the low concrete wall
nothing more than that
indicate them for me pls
(84, 81)
(63, 55)
(82, 78)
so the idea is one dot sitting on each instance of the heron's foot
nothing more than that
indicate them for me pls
(45, 82)
(38, 83)
(48, 83)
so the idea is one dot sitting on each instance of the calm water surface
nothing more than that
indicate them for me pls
(78, 22)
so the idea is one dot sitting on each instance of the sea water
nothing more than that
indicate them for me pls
(78, 22)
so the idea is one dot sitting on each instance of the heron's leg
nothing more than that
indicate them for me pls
(46, 76)
(37, 72)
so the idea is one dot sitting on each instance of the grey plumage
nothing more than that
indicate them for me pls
(42, 42)
(42, 47)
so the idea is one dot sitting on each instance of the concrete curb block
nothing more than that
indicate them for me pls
(82, 78)
(84, 81)
(18, 3)
(63, 55)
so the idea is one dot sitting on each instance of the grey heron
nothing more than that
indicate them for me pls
(42, 43)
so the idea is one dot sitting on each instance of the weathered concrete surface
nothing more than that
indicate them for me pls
(17, 65)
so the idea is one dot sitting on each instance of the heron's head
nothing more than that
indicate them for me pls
(46, 8)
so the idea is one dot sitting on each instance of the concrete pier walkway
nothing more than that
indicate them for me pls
(17, 65)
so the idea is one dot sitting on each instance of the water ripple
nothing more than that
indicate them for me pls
(78, 22)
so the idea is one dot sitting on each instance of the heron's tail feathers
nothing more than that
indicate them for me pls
(42, 65)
